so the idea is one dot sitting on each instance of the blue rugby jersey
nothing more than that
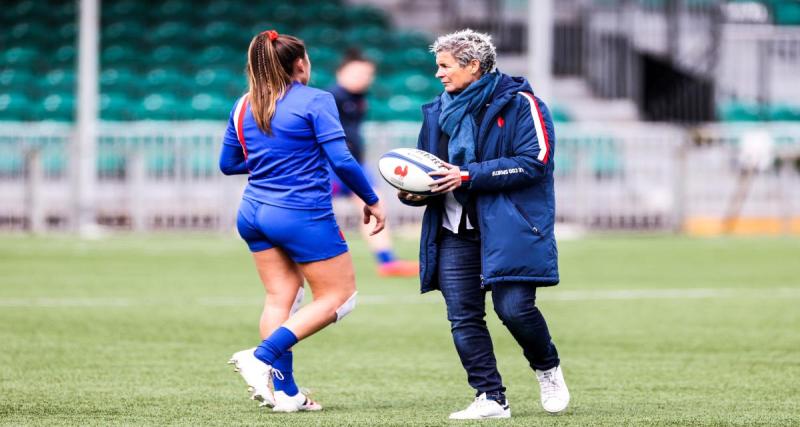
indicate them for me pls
(289, 168)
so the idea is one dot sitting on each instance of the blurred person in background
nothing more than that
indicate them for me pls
(490, 228)
(353, 79)
(284, 135)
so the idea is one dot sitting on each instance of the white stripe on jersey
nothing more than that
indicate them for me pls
(236, 114)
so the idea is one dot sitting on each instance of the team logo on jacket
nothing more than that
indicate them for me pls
(401, 172)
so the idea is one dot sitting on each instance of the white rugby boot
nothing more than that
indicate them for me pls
(256, 374)
(298, 402)
(482, 408)
(555, 396)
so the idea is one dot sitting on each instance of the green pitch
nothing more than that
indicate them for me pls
(652, 330)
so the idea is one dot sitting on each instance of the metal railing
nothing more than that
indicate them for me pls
(156, 175)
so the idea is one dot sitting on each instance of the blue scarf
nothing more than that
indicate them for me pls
(458, 117)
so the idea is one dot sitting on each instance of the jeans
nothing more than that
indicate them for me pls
(514, 302)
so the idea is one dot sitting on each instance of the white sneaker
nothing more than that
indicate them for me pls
(298, 402)
(482, 408)
(256, 374)
(555, 396)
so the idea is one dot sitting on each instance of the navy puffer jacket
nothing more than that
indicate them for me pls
(512, 184)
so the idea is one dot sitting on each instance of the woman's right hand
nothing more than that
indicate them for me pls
(409, 197)
(375, 210)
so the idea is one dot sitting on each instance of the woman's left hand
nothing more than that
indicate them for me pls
(449, 181)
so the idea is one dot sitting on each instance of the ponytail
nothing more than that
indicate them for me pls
(270, 65)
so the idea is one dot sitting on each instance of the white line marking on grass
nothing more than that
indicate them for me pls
(547, 295)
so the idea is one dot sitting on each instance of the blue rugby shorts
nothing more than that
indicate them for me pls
(306, 235)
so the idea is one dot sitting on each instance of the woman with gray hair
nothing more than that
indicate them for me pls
(489, 224)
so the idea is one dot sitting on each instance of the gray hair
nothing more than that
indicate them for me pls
(466, 45)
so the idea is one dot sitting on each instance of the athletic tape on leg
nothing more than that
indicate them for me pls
(347, 307)
(298, 300)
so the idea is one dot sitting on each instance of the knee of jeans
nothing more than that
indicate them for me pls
(462, 318)
(512, 314)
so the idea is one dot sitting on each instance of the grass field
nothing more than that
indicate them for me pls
(651, 330)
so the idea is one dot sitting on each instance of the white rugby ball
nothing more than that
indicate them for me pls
(407, 169)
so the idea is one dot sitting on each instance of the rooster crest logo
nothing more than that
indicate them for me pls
(401, 171)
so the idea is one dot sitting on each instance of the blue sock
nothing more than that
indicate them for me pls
(385, 256)
(275, 345)
(285, 380)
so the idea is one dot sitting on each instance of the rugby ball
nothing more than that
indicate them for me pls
(407, 169)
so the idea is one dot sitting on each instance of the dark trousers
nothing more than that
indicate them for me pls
(514, 303)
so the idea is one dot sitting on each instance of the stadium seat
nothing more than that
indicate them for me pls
(15, 106)
(210, 106)
(738, 111)
(64, 56)
(115, 106)
(56, 107)
(787, 13)
(15, 78)
(356, 16)
(18, 55)
(127, 31)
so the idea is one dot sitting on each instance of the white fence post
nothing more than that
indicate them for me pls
(33, 193)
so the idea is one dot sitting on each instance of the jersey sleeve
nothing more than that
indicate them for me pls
(230, 139)
(232, 160)
(324, 118)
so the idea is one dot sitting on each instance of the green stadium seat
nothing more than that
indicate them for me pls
(322, 79)
(210, 106)
(122, 80)
(15, 106)
(219, 55)
(65, 55)
(169, 55)
(405, 108)
(415, 84)
(739, 111)
(119, 55)
(15, 78)
(30, 33)
(784, 112)
(115, 106)
(787, 13)
(321, 36)
(121, 9)
(173, 9)
(122, 32)
(57, 107)
(326, 13)
(323, 58)
(356, 16)
(68, 31)
(169, 79)
(19, 55)
(168, 33)
(409, 40)
(58, 80)
(365, 36)
(160, 106)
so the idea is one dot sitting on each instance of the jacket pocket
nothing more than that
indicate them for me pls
(531, 226)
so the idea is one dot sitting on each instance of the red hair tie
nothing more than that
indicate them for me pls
(272, 34)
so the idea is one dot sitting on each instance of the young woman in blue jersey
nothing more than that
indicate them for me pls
(284, 134)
